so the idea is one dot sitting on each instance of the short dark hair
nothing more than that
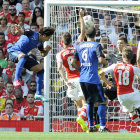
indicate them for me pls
(67, 38)
(123, 38)
(47, 31)
(91, 32)
(128, 53)
(34, 24)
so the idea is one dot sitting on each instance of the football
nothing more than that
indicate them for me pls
(88, 20)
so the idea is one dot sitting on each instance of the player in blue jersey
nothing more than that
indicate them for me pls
(18, 53)
(90, 54)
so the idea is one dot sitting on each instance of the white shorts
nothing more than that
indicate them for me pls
(75, 93)
(130, 101)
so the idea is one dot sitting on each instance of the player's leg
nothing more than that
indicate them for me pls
(89, 91)
(34, 66)
(73, 94)
(102, 108)
(21, 59)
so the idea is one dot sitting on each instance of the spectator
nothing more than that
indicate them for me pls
(36, 3)
(3, 75)
(36, 13)
(16, 4)
(4, 25)
(32, 86)
(9, 100)
(9, 70)
(34, 27)
(27, 11)
(31, 110)
(136, 38)
(13, 37)
(113, 37)
(12, 15)
(26, 76)
(9, 115)
(107, 28)
(19, 102)
(9, 91)
(21, 20)
(3, 62)
(3, 43)
(5, 8)
(40, 22)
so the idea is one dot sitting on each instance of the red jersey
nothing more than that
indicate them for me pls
(18, 107)
(6, 97)
(65, 57)
(1, 13)
(3, 92)
(13, 38)
(38, 102)
(35, 110)
(124, 77)
(9, 72)
(27, 14)
(12, 20)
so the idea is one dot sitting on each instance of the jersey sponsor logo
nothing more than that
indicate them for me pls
(35, 110)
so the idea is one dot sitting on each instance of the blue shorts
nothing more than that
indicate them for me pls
(13, 56)
(93, 92)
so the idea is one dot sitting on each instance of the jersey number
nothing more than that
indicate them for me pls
(69, 63)
(84, 55)
(123, 77)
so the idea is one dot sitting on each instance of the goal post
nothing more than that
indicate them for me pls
(60, 112)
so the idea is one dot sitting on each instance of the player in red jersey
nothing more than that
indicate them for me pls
(124, 73)
(72, 79)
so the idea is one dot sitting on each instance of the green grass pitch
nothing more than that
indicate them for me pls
(67, 136)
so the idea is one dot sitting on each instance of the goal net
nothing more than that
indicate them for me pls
(112, 20)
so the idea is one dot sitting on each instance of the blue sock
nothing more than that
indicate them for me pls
(19, 67)
(90, 109)
(102, 114)
(39, 81)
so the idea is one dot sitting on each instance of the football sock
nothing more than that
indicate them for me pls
(39, 81)
(90, 110)
(102, 114)
(19, 67)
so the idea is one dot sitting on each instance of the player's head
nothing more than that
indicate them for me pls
(66, 39)
(90, 32)
(127, 54)
(46, 33)
(121, 43)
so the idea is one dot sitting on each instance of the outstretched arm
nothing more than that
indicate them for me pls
(82, 25)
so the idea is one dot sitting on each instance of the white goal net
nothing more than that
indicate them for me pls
(111, 21)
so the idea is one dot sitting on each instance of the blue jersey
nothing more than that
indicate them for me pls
(88, 53)
(27, 42)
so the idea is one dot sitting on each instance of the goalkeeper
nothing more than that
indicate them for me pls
(18, 53)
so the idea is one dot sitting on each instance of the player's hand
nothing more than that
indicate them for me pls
(81, 12)
(70, 84)
(18, 29)
(46, 50)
